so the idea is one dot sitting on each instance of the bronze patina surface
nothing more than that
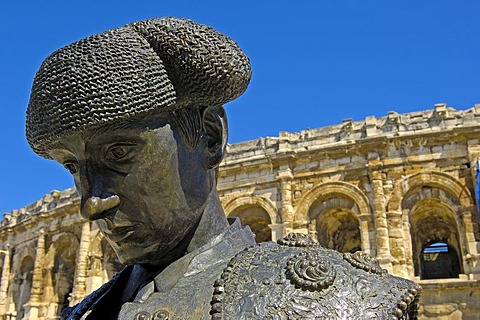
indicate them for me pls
(135, 115)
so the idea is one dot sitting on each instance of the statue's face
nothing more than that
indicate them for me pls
(141, 183)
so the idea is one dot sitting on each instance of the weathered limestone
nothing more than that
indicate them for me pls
(286, 178)
(413, 169)
(5, 278)
(381, 224)
(404, 182)
(79, 286)
(32, 307)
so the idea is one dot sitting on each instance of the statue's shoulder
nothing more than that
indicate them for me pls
(296, 278)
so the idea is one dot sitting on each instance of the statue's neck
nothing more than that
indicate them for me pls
(212, 223)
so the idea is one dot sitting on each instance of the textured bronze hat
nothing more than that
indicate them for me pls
(146, 67)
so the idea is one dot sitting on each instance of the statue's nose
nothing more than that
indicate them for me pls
(98, 197)
(95, 208)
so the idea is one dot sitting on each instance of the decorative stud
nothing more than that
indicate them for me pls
(363, 260)
(161, 315)
(143, 316)
(310, 271)
(408, 302)
(297, 240)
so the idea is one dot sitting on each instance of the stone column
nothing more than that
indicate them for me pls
(380, 220)
(397, 244)
(471, 216)
(79, 285)
(408, 246)
(286, 178)
(51, 311)
(277, 231)
(473, 149)
(32, 308)
(312, 230)
(365, 234)
(95, 274)
(466, 216)
(4, 281)
(469, 246)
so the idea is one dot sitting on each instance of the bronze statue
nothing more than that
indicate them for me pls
(135, 114)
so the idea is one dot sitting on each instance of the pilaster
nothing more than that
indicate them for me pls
(5, 279)
(380, 218)
(32, 308)
(287, 213)
(277, 231)
(407, 238)
(473, 149)
(312, 230)
(397, 244)
(365, 235)
(79, 284)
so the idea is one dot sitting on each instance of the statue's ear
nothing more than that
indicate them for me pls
(216, 127)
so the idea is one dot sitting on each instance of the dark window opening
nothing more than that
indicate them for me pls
(339, 230)
(439, 260)
(258, 220)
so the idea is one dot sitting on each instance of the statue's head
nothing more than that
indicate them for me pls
(135, 114)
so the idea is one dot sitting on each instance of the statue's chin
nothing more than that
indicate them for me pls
(146, 259)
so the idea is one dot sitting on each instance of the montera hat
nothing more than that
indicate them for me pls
(143, 68)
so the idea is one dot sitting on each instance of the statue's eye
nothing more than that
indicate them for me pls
(118, 152)
(71, 166)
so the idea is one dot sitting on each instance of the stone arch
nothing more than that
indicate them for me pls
(450, 208)
(439, 180)
(255, 211)
(60, 268)
(21, 287)
(334, 210)
(21, 253)
(329, 189)
(434, 221)
(263, 202)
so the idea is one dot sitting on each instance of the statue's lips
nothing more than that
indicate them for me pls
(120, 233)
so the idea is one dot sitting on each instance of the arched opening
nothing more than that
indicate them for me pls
(435, 240)
(23, 286)
(439, 260)
(257, 218)
(338, 229)
(63, 272)
(336, 224)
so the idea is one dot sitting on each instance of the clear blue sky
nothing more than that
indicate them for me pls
(314, 62)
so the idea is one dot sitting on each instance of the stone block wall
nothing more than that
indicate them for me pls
(401, 188)
(393, 187)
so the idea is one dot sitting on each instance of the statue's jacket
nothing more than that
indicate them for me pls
(234, 278)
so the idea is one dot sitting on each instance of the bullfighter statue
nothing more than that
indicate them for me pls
(136, 115)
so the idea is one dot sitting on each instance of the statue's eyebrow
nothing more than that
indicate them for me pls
(111, 128)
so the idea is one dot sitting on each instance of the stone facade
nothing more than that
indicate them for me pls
(401, 188)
